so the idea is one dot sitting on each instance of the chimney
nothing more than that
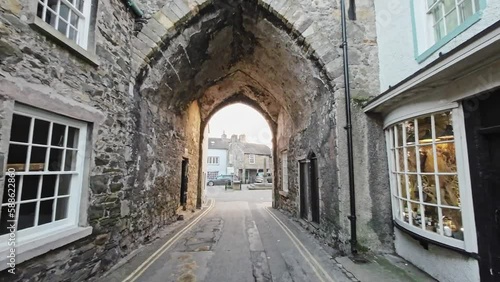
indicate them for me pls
(224, 136)
(234, 138)
(243, 138)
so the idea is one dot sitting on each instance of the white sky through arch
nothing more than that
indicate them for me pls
(241, 119)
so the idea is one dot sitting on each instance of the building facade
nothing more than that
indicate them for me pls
(439, 78)
(248, 160)
(217, 154)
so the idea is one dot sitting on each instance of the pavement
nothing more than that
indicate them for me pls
(237, 236)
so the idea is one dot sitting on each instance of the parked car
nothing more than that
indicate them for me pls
(260, 178)
(221, 180)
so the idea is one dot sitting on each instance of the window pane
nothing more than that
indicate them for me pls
(62, 27)
(64, 185)
(70, 163)
(402, 180)
(50, 18)
(17, 157)
(4, 217)
(30, 187)
(452, 223)
(48, 186)
(437, 13)
(431, 218)
(466, 10)
(26, 216)
(431, 2)
(41, 132)
(74, 19)
(446, 157)
(39, 10)
(439, 30)
(413, 188)
(55, 159)
(406, 212)
(45, 213)
(410, 132)
(64, 12)
(426, 154)
(73, 34)
(58, 132)
(411, 158)
(450, 192)
(429, 189)
(62, 208)
(417, 215)
(448, 5)
(451, 21)
(399, 135)
(401, 164)
(20, 128)
(37, 159)
(73, 134)
(78, 4)
(424, 130)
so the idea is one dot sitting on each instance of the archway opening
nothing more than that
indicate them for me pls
(237, 155)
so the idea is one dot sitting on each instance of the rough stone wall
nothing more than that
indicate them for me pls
(137, 147)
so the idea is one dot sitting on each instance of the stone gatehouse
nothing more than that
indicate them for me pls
(103, 106)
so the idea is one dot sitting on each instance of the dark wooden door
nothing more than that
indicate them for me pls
(184, 181)
(483, 142)
(303, 189)
(313, 176)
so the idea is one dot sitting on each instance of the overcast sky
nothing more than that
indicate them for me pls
(241, 119)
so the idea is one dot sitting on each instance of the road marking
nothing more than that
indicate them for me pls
(302, 249)
(146, 264)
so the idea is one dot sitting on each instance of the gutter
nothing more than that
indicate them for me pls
(348, 127)
(133, 6)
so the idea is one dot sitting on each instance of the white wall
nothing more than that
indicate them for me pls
(222, 166)
(442, 264)
(395, 39)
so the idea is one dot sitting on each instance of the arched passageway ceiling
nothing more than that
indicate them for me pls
(228, 38)
(246, 89)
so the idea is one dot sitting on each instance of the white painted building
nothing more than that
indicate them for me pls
(216, 158)
(439, 78)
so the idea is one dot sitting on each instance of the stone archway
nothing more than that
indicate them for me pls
(283, 58)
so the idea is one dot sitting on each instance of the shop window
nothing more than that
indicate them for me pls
(425, 182)
(71, 18)
(43, 179)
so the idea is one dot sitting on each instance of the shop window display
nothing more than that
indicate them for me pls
(425, 182)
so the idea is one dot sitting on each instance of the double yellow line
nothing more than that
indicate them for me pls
(146, 264)
(318, 269)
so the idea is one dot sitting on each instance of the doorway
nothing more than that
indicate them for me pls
(483, 142)
(314, 189)
(184, 182)
(303, 188)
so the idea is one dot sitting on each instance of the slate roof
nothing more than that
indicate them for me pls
(218, 143)
(257, 149)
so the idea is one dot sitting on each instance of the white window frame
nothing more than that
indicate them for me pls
(469, 243)
(425, 42)
(83, 25)
(37, 240)
(251, 158)
(460, 19)
(284, 171)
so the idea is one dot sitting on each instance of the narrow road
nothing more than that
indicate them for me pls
(238, 237)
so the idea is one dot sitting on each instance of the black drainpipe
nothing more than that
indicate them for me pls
(352, 192)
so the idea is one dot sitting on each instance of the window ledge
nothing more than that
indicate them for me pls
(284, 193)
(61, 39)
(39, 246)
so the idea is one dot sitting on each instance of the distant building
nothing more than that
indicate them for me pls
(247, 160)
(216, 158)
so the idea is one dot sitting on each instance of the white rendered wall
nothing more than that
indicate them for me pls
(440, 263)
(395, 39)
(222, 166)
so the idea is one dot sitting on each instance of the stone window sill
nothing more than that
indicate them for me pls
(284, 194)
(29, 249)
(48, 30)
